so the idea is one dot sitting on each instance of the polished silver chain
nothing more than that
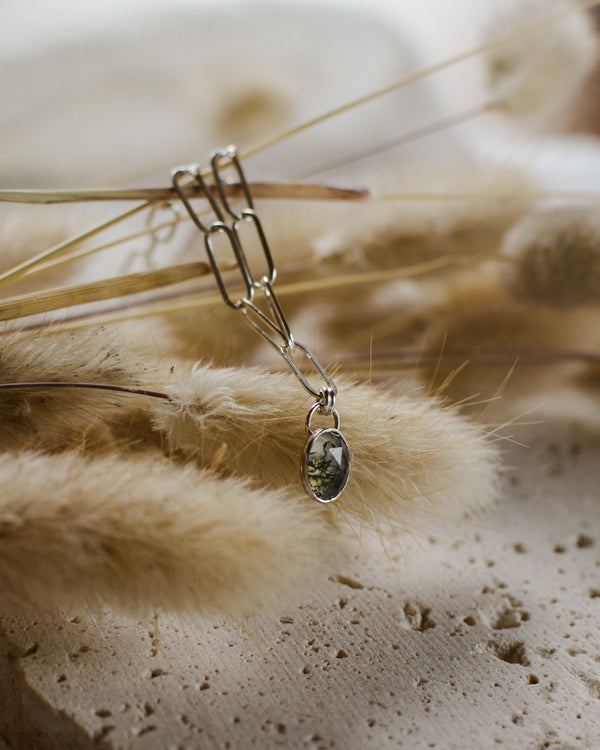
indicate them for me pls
(269, 321)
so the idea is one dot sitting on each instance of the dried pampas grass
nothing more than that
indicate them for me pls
(539, 75)
(553, 257)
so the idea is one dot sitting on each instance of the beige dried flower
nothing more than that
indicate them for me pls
(411, 456)
(553, 257)
(538, 75)
(139, 534)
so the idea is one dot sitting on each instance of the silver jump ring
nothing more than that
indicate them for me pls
(327, 399)
(313, 409)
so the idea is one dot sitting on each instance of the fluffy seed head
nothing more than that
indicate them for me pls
(411, 456)
(554, 257)
(142, 533)
(537, 75)
(56, 418)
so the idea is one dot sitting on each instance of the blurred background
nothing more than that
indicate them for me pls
(120, 92)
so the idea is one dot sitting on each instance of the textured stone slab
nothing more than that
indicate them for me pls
(486, 636)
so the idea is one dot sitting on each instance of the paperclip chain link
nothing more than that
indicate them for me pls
(271, 325)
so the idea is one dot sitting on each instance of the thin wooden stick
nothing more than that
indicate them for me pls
(375, 277)
(204, 299)
(265, 190)
(18, 271)
(82, 253)
(493, 357)
(93, 386)
(499, 41)
(400, 140)
(490, 195)
(98, 291)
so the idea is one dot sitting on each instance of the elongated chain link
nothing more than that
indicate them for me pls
(269, 321)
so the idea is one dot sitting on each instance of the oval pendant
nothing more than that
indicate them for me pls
(325, 465)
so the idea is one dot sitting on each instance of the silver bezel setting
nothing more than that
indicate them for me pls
(304, 467)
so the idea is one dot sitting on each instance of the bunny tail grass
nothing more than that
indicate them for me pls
(411, 456)
(538, 75)
(139, 534)
(553, 257)
(55, 419)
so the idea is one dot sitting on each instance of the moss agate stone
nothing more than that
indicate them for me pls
(326, 465)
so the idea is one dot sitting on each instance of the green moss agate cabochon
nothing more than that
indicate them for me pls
(325, 465)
